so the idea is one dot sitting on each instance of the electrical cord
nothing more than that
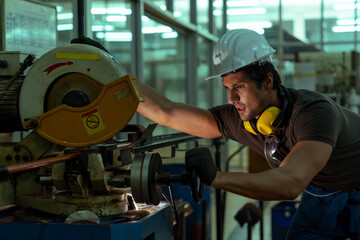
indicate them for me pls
(173, 204)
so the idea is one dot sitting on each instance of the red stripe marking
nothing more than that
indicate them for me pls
(89, 113)
(57, 65)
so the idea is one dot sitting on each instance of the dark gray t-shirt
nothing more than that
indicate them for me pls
(308, 116)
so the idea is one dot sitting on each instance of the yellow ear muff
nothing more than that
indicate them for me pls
(264, 124)
(248, 127)
(266, 119)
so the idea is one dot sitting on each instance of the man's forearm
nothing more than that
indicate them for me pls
(260, 186)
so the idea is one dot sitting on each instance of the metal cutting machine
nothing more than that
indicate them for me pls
(69, 169)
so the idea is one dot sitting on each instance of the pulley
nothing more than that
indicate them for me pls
(147, 179)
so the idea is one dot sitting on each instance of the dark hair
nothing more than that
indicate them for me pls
(258, 73)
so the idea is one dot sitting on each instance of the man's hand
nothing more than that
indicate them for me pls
(89, 41)
(201, 161)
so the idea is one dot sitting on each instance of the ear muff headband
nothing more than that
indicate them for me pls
(268, 120)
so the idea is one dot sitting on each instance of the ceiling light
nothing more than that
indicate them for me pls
(145, 18)
(343, 22)
(97, 28)
(217, 12)
(115, 36)
(65, 27)
(65, 16)
(116, 18)
(98, 11)
(169, 35)
(218, 4)
(59, 8)
(338, 29)
(121, 10)
(177, 14)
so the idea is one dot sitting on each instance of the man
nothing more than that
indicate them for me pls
(311, 143)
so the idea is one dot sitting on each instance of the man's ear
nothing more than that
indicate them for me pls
(268, 82)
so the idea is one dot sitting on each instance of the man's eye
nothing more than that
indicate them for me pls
(239, 86)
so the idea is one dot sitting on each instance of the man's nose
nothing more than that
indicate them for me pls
(233, 97)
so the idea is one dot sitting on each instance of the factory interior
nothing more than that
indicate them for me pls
(127, 180)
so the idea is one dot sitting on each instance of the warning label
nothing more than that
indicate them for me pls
(92, 122)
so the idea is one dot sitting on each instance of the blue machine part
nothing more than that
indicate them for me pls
(158, 225)
(281, 217)
(197, 223)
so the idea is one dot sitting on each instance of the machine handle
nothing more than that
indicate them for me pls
(196, 187)
(187, 178)
(27, 63)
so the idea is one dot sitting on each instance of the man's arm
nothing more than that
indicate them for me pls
(286, 182)
(181, 117)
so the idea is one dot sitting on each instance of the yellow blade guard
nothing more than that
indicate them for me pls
(95, 123)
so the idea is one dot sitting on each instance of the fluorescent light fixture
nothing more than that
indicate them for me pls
(344, 22)
(217, 12)
(346, 6)
(111, 10)
(99, 28)
(115, 36)
(243, 11)
(169, 35)
(121, 10)
(98, 11)
(65, 27)
(249, 25)
(339, 29)
(145, 18)
(218, 4)
(59, 8)
(249, 3)
(177, 14)
(116, 18)
(65, 16)
(161, 29)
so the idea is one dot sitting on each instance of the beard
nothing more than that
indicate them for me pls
(247, 114)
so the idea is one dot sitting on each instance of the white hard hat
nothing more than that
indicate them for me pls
(239, 48)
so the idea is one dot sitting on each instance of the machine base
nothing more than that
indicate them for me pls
(158, 225)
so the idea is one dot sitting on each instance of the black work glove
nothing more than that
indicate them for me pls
(85, 40)
(201, 161)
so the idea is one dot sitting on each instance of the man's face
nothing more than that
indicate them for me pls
(243, 93)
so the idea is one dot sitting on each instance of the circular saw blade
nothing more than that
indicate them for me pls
(73, 89)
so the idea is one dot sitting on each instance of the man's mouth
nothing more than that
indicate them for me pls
(240, 109)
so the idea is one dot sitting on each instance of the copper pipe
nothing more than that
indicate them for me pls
(40, 163)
